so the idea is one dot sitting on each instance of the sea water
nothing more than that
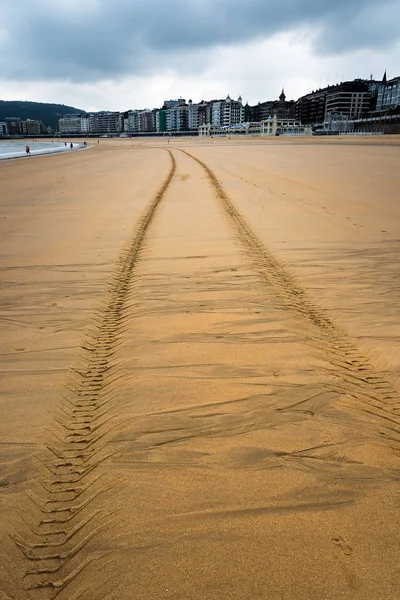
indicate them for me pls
(17, 149)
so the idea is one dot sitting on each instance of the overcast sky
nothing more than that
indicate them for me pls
(122, 54)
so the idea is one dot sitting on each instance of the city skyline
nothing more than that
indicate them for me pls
(338, 106)
(103, 55)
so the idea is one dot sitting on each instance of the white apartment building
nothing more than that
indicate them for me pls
(227, 112)
(174, 103)
(105, 122)
(131, 123)
(216, 112)
(140, 121)
(232, 112)
(268, 127)
(170, 119)
(274, 126)
(193, 115)
(176, 118)
(73, 124)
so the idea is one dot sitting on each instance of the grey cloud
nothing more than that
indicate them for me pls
(110, 38)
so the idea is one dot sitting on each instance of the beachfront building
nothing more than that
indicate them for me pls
(310, 109)
(351, 99)
(268, 127)
(199, 114)
(13, 125)
(337, 123)
(225, 113)
(388, 94)
(282, 108)
(174, 103)
(274, 126)
(140, 121)
(204, 113)
(31, 127)
(160, 121)
(193, 116)
(177, 117)
(3, 128)
(78, 124)
(106, 122)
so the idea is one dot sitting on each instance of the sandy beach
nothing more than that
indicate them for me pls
(200, 365)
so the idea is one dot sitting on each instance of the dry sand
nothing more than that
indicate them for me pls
(199, 365)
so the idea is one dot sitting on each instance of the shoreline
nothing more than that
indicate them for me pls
(43, 152)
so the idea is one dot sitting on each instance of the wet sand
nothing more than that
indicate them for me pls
(199, 364)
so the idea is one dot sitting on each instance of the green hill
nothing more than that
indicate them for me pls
(47, 113)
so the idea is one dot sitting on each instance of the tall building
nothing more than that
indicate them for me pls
(351, 98)
(310, 109)
(282, 108)
(31, 127)
(140, 121)
(173, 103)
(226, 112)
(13, 125)
(161, 121)
(388, 94)
(193, 116)
(204, 113)
(177, 116)
(105, 122)
(73, 124)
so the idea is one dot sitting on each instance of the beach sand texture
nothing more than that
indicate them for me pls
(199, 366)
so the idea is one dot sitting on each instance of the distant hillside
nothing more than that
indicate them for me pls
(47, 113)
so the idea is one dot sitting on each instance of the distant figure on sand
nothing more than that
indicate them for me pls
(71, 146)
(27, 149)
(65, 143)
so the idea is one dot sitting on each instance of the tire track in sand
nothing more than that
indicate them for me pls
(361, 383)
(64, 521)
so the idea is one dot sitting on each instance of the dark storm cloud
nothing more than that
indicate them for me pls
(99, 39)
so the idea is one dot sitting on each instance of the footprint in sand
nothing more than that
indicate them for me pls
(341, 543)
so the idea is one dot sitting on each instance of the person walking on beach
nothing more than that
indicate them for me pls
(71, 146)
(27, 150)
